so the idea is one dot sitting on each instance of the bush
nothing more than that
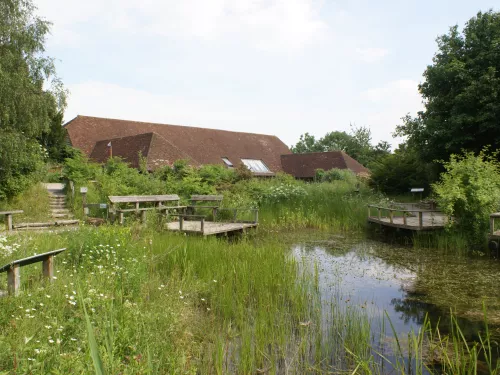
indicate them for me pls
(335, 174)
(469, 190)
(21, 163)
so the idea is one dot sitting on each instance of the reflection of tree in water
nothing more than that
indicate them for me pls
(412, 308)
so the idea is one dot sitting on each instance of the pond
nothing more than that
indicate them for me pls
(395, 287)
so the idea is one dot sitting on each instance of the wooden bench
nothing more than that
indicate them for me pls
(13, 269)
(159, 203)
(212, 202)
(8, 217)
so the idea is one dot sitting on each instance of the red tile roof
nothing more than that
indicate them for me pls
(173, 142)
(305, 165)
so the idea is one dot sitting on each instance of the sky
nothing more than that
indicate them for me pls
(281, 67)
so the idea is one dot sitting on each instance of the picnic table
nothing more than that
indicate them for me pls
(153, 202)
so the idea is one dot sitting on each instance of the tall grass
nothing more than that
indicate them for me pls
(336, 206)
(34, 202)
(152, 302)
(155, 301)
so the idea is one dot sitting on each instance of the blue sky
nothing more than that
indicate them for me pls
(282, 67)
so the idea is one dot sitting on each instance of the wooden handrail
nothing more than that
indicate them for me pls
(401, 209)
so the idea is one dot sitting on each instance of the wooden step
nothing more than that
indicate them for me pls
(59, 211)
(62, 216)
(33, 228)
(47, 224)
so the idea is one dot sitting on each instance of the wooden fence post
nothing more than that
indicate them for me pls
(492, 225)
(256, 217)
(420, 219)
(404, 217)
(202, 221)
(181, 222)
(391, 214)
(48, 267)
(8, 222)
(379, 214)
(14, 279)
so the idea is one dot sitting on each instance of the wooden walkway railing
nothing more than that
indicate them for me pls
(415, 219)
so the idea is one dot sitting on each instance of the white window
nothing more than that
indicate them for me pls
(256, 166)
(227, 162)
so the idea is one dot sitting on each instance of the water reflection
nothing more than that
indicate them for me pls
(407, 284)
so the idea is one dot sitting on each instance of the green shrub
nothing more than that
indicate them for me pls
(469, 190)
(21, 163)
(336, 174)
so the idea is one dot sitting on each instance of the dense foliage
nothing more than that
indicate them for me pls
(461, 93)
(469, 190)
(400, 171)
(356, 143)
(28, 109)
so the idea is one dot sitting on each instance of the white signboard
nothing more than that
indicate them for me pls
(83, 189)
(417, 190)
(103, 205)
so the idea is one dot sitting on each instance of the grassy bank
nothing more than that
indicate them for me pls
(158, 303)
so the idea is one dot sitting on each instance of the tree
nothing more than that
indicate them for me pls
(398, 172)
(27, 107)
(356, 143)
(469, 190)
(461, 93)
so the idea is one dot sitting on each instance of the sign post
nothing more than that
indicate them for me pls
(83, 191)
(417, 190)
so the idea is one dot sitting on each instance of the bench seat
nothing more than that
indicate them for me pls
(13, 268)
(8, 217)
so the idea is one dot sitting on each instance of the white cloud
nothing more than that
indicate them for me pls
(371, 55)
(388, 104)
(264, 23)
(102, 99)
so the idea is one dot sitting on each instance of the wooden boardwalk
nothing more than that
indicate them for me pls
(408, 218)
(209, 227)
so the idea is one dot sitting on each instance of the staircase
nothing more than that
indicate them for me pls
(60, 215)
(58, 208)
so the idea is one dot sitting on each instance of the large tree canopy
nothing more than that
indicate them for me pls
(356, 143)
(461, 93)
(31, 95)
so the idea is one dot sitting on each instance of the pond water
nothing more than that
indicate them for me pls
(405, 284)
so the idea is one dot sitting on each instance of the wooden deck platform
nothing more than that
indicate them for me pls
(209, 227)
(410, 219)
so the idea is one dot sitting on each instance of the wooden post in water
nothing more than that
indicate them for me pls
(14, 279)
(420, 219)
(48, 268)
